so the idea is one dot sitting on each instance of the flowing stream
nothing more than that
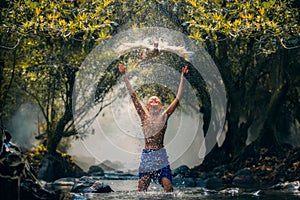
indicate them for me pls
(126, 189)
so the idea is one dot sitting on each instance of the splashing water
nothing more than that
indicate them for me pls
(152, 47)
(117, 131)
(126, 189)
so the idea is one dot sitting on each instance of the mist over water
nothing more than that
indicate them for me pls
(23, 126)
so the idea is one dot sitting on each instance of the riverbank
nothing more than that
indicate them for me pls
(266, 172)
(256, 167)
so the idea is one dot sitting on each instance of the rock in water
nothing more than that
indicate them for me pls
(90, 185)
(182, 171)
(55, 167)
(17, 178)
(96, 171)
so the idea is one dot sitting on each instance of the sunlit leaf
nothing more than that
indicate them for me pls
(38, 11)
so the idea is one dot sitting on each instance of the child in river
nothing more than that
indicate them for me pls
(154, 160)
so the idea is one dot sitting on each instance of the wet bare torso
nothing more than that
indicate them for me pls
(154, 128)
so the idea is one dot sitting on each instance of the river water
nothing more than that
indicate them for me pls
(126, 189)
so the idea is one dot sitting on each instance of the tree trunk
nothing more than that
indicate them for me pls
(5, 90)
(1, 100)
(235, 139)
(268, 133)
(60, 130)
(236, 134)
(58, 134)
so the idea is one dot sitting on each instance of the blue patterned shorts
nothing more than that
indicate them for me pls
(155, 164)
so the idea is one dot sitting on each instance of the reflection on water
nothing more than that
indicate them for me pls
(126, 189)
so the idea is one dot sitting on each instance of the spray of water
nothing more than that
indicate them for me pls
(118, 135)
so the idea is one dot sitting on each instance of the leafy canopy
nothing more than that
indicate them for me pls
(268, 22)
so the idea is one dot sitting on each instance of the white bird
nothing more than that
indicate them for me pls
(151, 49)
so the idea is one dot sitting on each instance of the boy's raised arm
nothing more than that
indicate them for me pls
(169, 111)
(137, 104)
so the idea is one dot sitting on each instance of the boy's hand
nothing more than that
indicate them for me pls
(185, 70)
(122, 68)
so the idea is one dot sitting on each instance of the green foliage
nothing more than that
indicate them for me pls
(256, 47)
(267, 22)
(86, 20)
(50, 40)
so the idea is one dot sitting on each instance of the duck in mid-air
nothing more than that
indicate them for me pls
(151, 49)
